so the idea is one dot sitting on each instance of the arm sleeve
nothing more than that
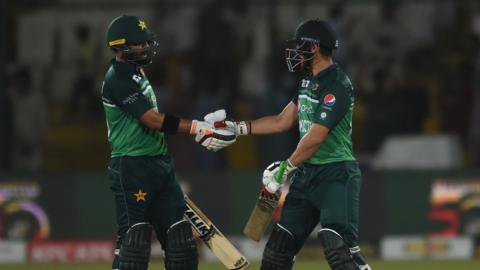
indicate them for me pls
(335, 103)
(130, 99)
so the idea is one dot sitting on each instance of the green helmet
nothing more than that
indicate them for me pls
(298, 55)
(127, 30)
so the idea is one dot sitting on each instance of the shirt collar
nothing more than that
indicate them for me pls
(324, 72)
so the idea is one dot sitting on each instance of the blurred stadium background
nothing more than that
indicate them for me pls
(415, 66)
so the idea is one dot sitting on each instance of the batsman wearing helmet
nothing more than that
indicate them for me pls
(325, 178)
(147, 194)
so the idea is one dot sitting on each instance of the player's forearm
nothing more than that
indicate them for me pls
(172, 124)
(184, 126)
(269, 125)
(152, 119)
(279, 123)
(305, 149)
(165, 122)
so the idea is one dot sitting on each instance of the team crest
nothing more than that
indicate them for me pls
(329, 100)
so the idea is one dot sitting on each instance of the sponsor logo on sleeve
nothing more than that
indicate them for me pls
(329, 100)
(131, 99)
(323, 115)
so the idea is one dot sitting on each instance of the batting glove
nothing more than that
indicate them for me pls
(216, 116)
(239, 128)
(276, 174)
(210, 137)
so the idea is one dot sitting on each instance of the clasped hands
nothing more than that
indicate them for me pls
(215, 133)
(212, 133)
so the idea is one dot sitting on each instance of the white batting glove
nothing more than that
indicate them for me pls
(239, 128)
(215, 116)
(276, 174)
(211, 138)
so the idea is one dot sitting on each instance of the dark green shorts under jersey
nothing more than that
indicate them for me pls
(328, 194)
(145, 190)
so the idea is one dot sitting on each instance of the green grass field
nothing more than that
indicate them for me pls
(300, 265)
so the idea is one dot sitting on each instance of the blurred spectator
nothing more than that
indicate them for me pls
(339, 23)
(215, 69)
(231, 56)
(380, 118)
(457, 52)
(83, 101)
(216, 66)
(413, 107)
(473, 144)
(6, 127)
(30, 121)
(378, 43)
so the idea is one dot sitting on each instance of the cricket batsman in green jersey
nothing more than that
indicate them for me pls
(146, 192)
(326, 179)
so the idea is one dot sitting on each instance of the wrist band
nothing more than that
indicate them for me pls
(170, 124)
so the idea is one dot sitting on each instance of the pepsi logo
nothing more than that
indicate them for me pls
(329, 100)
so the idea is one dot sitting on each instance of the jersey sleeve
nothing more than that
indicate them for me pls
(334, 104)
(130, 99)
(295, 99)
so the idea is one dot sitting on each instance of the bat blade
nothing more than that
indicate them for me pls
(261, 215)
(204, 229)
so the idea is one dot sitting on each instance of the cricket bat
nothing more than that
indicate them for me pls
(261, 215)
(204, 229)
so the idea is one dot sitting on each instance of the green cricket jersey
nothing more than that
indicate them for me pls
(327, 99)
(126, 95)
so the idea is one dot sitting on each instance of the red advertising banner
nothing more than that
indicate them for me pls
(71, 251)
